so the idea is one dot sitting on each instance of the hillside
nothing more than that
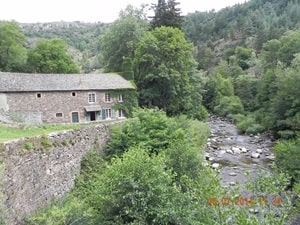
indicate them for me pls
(82, 38)
(249, 25)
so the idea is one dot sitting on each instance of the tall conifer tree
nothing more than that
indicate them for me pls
(166, 14)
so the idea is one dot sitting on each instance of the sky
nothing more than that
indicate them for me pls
(33, 11)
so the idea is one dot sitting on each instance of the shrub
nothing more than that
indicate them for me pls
(28, 145)
(69, 210)
(199, 113)
(229, 105)
(153, 130)
(247, 124)
(254, 129)
(136, 189)
(287, 157)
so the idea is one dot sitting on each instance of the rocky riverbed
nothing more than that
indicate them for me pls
(235, 153)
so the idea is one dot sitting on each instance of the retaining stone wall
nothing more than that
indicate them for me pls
(36, 170)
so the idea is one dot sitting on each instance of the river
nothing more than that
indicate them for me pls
(234, 153)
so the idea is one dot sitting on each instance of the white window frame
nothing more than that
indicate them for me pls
(107, 97)
(92, 97)
(120, 98)
(121, 113)
(108, 113)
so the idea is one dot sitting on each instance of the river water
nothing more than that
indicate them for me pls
(236, 153)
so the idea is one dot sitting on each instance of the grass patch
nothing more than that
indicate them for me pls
(8, 133)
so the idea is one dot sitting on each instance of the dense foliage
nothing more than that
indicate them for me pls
(82, 39)
(119, 41)
(154, 131)
(47, 56)
(163, 66)
(287, 154)
(166, 14)
(50, 56)
(12, 47)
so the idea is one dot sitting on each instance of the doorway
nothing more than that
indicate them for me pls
(75, 117)
(92, 116)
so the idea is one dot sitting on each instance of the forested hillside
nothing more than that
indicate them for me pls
(249, 25)
(82, 38)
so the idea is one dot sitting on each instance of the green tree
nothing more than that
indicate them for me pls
(120, 39)
(127, 69)
(270, 53)
(154, 131)
(166, 14)
(245, 87)
(229, 105)
(148, 128)
(197, 111)
(204, 56)
(138, 189)
(287, 158)
(290, 45)
(12, 50)
(285, 102)
(164, 64)
(243, 55)
(50, 56)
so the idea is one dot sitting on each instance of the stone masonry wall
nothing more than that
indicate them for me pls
(39, 169)
(43, 109)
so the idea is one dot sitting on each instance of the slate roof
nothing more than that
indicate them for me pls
(25, 82)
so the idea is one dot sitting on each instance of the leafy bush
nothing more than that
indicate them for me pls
(255, 129)
(137, 189)
(148, 128)
(247, 124)
(153, 130)
(229, 105)
(69, 210)
(287, 157)
(245, 87)
(199, 113)
(286, 134)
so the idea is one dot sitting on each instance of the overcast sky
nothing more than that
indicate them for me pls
(28, 11)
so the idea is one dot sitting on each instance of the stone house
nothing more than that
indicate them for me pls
(61, 98)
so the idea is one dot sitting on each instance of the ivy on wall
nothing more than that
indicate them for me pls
(130, 100)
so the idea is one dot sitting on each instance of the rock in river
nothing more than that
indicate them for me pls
(255, 155)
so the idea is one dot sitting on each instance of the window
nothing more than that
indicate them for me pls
(73, 94)
(92, 97)
(107, 113)
(120, 99)
(59, 114)
(38, 95)
(121, 113)
(107, 97)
